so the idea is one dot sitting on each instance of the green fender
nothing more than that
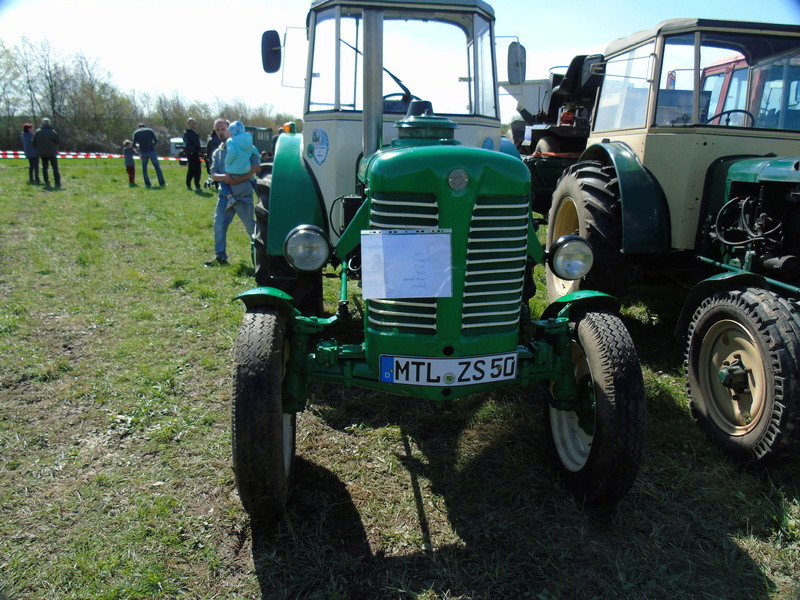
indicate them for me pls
(710, 286)
(584, 300)
(645, 213)
(294, 197)
(269, 296)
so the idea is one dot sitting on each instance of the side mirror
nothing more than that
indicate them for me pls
(516, 63)
(271, 51)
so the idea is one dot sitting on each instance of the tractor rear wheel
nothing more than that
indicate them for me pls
(586, 202)
(743, 367)
(598, 447)
(263, 435)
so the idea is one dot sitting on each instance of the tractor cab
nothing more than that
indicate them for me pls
(690, 91)
(369, 60)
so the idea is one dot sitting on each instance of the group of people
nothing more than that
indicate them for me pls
(231, 159)
(41, 145)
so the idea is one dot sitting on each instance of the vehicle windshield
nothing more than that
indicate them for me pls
(744, 81)
(715, 79)
(444, 58)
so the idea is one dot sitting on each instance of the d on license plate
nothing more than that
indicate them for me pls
(445, 372)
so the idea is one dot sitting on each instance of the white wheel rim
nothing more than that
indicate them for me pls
(572, 443)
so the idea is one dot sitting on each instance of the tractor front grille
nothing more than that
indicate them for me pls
(495, 264)
(496, 254)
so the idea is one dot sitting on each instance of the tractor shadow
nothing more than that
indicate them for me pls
(489, 519)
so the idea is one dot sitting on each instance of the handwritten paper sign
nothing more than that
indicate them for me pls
(406, 264)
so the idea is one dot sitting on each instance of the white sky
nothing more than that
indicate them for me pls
(207, 50)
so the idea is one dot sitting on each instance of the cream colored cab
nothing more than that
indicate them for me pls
(438, 52)
(691, 91)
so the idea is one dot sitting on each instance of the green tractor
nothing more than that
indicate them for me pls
(435, 227)
(693, 166)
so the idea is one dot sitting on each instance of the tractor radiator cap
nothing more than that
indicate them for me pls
(426, 126)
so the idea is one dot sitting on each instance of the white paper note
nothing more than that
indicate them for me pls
(406, 264)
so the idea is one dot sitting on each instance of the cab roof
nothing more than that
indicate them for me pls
(673, 26)
(468, 5)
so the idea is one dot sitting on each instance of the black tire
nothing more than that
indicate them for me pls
(548, 143)
(586, 202)
(263, 436)
(597, 450)
(260, 236)
(751, 337)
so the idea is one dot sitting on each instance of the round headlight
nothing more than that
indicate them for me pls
(306, 248)
(571, 257)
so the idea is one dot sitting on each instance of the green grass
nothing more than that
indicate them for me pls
(115, 476)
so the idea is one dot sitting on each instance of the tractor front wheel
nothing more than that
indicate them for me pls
(743, 372)
(598, 446)
(586, 203)
(263, 435)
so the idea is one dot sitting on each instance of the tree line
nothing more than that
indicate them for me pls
(89, 112)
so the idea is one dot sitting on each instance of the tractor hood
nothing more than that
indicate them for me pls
(753, 170)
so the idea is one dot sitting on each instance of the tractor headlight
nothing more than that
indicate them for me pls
(306, 248)
(570, 257)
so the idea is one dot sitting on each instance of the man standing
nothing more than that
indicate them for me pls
(193, 146)
(146, 140)
(46, 141)
(240, 188)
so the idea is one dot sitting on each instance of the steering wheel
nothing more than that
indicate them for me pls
(398, 102)
(731, 111)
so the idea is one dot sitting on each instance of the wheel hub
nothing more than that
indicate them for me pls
(734, 375)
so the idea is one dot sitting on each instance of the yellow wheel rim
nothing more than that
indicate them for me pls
(735, 410)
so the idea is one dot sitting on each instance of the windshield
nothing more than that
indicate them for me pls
(447, 61)
(744, 81)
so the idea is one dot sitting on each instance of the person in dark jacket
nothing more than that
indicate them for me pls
(145, 139)
(193, 146)
(211, 145)
(46, 142)
(30, 152)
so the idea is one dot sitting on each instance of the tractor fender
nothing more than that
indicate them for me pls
(269, 296)
(644, 208)
(709, 286)
(582, 300)
(294, 197)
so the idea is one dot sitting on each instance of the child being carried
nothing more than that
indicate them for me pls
(238, 150)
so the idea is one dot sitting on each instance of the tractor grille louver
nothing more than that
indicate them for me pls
(496, 249)
(404, 211)
(494, 271)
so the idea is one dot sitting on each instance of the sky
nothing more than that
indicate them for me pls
(207, 50)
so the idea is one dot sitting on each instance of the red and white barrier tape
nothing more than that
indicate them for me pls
(20, 154)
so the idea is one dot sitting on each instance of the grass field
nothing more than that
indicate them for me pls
(115, 478)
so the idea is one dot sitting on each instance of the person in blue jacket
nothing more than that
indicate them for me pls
(145, 139)
(30, 153)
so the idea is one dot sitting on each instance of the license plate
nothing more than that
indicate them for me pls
(447, 372)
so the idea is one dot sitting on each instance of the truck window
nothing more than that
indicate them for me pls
(448, 62)
(776, 94)
(623, 97)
